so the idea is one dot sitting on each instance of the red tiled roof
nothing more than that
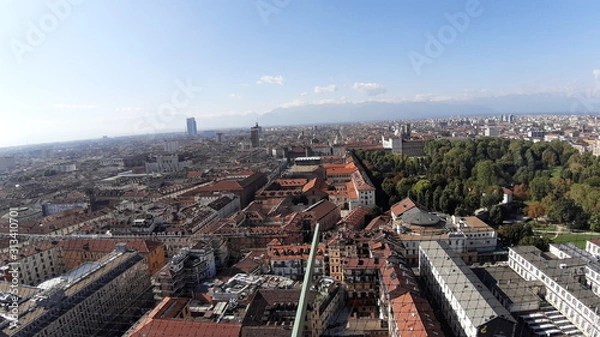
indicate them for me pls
(186, 328)
(403, 206)
(414, 317)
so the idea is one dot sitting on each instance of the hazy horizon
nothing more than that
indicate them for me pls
(80, 69)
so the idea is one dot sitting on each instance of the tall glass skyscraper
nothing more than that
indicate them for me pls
(191, 127)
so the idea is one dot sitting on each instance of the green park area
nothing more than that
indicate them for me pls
(578, 239)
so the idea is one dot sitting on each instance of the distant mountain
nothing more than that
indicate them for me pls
(371, 111)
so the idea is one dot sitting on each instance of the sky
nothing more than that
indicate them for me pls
(78, 69)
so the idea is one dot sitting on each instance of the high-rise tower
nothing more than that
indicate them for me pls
(255, 135)
(191, 127)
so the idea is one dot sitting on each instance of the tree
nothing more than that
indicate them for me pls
(536, 210)
(549, 158)
(595, 222)
(540, 187)
(541, 243)
(485, 173)
(521, 192)
(492, 197)
(567, 211)
(496, 216)
(513, 233)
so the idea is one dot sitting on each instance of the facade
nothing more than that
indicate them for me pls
(86, 300)
(171, 146)
(65, 167)
(405, 147)
(191, 129)
(569, 281)
(184, 272)
(491, 131)
(37, 264)
(339, 250)
(291, 260)
(167, 164)
(469, 307)
(54, 207)
(393, 143)
(361, 276)
(470, 237)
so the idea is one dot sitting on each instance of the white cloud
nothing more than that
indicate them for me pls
(430, 98)
(128, 108)
(371, 89)
(234, 96)
(304, 94)
(596, 73)
(271, 79)
(327, 88)
(73, 106)
(294, 103)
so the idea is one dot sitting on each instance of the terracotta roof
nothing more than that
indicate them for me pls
(308, 186)
(355, 219)
(193, 174)
(322, 208)
(414, 317)
(186, 328)
(402, 206)
(160, 323)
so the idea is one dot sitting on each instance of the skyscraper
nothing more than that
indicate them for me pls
(255, 135)
(191, 127)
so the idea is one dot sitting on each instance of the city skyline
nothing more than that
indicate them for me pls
(75, 70)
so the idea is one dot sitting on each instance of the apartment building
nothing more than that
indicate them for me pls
(184, 272)
(183, 317)
(469, 308)
(86, 300)
(36, 264)
(78, 251)
(291, 260)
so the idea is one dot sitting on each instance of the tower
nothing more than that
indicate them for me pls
(191, 127)
(255, 135)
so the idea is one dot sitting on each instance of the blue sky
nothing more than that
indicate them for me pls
(126, 67)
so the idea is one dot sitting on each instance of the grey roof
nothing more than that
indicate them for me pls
(473, 296)
(562, 271)
(416, 216)
(509, 283)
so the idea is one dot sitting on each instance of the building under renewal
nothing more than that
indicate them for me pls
(469, 307)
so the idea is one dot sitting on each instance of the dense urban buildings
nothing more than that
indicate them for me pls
(200, 235)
